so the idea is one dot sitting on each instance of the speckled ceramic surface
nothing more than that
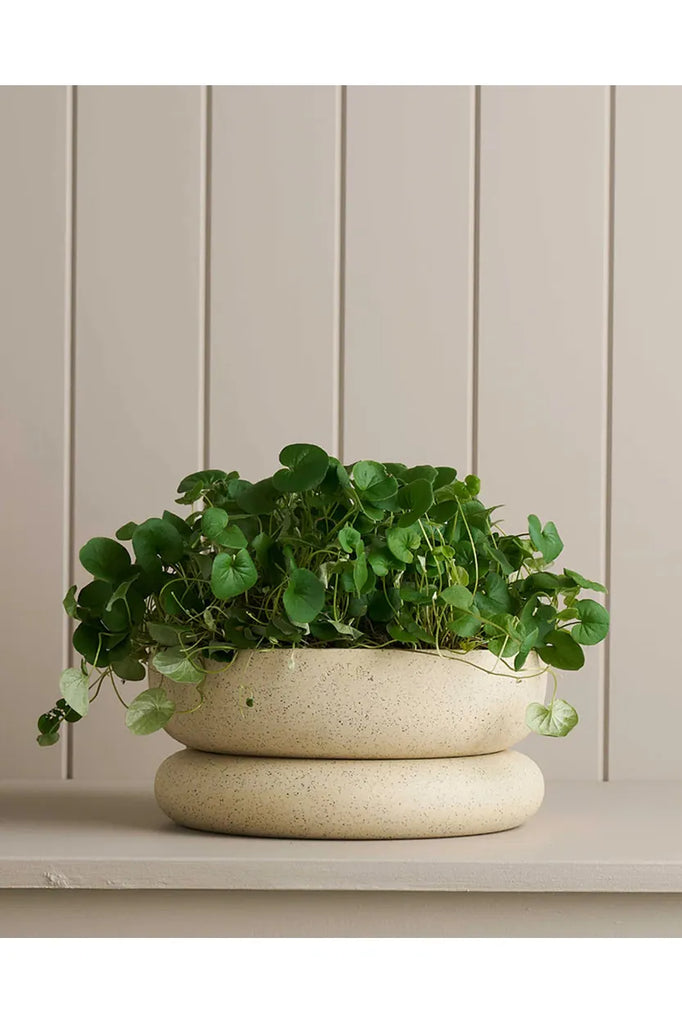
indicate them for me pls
(349, 799)
(356, 703)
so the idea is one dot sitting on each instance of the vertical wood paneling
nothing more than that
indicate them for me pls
(646, 697)
(274, 273)
(342, 247)
(139, 323)
(34, 338)
(408, 274)
(543, 302)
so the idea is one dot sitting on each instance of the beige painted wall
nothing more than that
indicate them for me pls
(486, 277)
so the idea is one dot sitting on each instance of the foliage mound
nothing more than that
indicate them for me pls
(321, 555)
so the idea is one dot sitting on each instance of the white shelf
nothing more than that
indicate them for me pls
(616, 837)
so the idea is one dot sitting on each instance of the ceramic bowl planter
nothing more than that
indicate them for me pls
(354, 744)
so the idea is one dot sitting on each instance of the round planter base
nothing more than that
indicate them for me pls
(300, 798)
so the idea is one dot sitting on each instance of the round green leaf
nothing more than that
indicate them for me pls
(121, 591)
(496, 598)
(403, 541)
(527, 644)
(126, 531)
(150, 711)
(349, 538)
(48, 723)
(238, 487)
(407, 627)
(360, 572)
(129, 668)
(304, 596)
(458, 597)
(444, 511)
(306, 468)
(464, 624)
(86, 640)
(162, 633)
(380, 561)
(373, 481)
(157, 538)
(262, 545)
(336, 478)
(105, 559)
(258, 499)
(95, 597)
(546, 540)
(124, 613)
(73, 686)
(580, 581)
(181, 525)
(116, 619)
(400, 634)
(69, 602)
(232, 574)
(202, 480)
(498, 556)
(561, 651)
(419, 473)
(416, 498)
(213, 522)
(444, 475)
(594, 622)
(374, 515)
(231, 537)
(174, 663)
(48, 739)
(556, 720)
(330, 629)
(191, 496)
(514, 551)
(542, 617)
(118, 645)
(544, 582)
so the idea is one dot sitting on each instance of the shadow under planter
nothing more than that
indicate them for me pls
(353, 744)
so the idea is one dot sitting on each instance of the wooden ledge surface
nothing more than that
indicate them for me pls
(587, 837)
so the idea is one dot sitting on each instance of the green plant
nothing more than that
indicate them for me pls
(322, 555)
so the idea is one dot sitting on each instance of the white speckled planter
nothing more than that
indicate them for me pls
(353, 744)
(349, 799)
(356, 704)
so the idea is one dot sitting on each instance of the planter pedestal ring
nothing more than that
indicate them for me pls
(352, 799)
